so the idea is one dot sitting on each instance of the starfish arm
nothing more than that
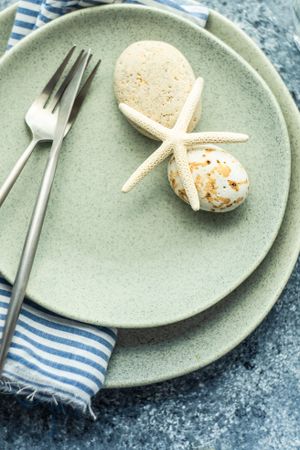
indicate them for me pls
(149, 164)
(150, 126)
(190, 105)
(214, 137)
(180, 154)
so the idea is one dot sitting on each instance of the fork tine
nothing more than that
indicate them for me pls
(46, 92)
(82, 94)
(58, 95)
(89, 60)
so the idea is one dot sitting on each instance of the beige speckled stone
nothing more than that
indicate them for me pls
(154, 78)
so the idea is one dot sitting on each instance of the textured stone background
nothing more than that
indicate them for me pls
(248, 400)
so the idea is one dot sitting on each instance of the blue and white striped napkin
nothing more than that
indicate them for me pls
(53, 358)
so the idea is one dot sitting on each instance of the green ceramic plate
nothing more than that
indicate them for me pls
(142, 259)
(148, 356)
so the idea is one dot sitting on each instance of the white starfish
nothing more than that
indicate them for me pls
(176, 140)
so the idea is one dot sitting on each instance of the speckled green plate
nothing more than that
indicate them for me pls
(148, 356)
(142, 259)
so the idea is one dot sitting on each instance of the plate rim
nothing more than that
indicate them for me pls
(146, 324)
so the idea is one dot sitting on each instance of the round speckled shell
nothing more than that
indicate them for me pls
(221, 181)
(154, 78)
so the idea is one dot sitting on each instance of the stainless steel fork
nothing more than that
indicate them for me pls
(41, 117)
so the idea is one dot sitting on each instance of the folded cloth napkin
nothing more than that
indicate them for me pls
(53, 358)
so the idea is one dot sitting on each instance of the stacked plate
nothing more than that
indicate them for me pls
(183, 287)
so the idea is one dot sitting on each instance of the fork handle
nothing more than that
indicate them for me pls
(16, 171)
(28, 253)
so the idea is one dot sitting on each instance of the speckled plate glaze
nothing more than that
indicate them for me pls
(142, 259)
(148, 356)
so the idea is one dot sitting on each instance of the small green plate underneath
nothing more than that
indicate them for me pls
(141, 259)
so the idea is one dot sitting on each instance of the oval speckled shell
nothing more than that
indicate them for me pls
(221, 181)
(154, 78)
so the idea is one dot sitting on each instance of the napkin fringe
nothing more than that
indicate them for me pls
(47, 395)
